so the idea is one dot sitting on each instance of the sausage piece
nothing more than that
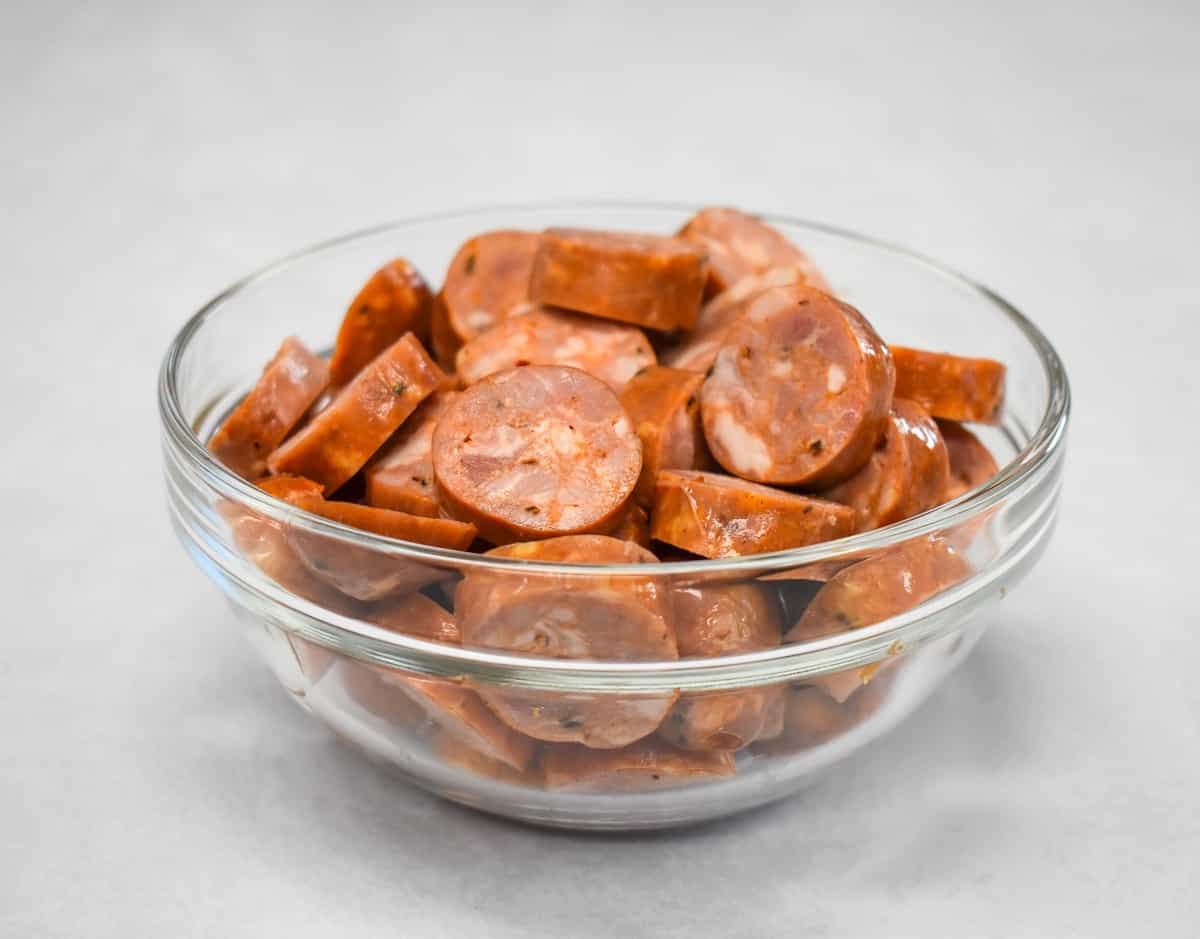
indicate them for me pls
(647, 764)
(290, 383)
(950, 386)
(612, 352)
(971, 463)
(364, 414)
(634, 526)
(649, 280)
(487, 281)
(811, 717)
(930, 458)
(396, 300)
(717, 516)
(739, 245)
(535, 452)
(799, 394)
(400, 475)
(664, 407)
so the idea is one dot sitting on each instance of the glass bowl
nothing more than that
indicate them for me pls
(332, 612)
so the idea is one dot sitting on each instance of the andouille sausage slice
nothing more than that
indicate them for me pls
(930, 458)
(713, 620)
(951, 386)
(648, 764)
(718, 516)
(878, 492)
(534, 452)
(453, 751)
(612, 352)
(653, 281)
(487, 281)
(396, 300)
(971, 463)
(811, 717)
(400, 475)
(739, 245)
(664, 406)
(799, 394)
(290, 383)
(634, 526)
(360, 419)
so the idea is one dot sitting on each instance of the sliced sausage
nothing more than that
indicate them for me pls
(634, 526)
(811, 717)
(664, 406)
(343, 437)
(971, 463)
(415, 615)
(798, 395)
(488, 280)
(647, 764)
(930, 459)
(400, 475)
(612, 352)
(396, 300)
(453, 751)
(697, 349)
(288, 488)
(717, 516)
(535, 452)
(951, 386)
(290, 383)
(365, 685)
(649, 280)
(739, 245)
(617, 617)
(722, 619)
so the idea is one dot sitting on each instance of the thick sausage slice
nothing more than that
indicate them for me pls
(288, 488)
(811, 717)
(400, 475)
(650, 280)
(971, 463)
(798, 395)
(290, 383)
(634, 526)
(535, 452)
(396, 300)
(722, 619)
(647, 764)
(950, 386)
(930, 459)
(415, 615)
(360, 419)
(738, 245)
(612, 352)
(718, 516)
(453, 751)
(664, 406)
(697, 350)
(488, 280)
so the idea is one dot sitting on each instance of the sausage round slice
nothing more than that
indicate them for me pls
(722, 619)
(634, 526)
(739, 245)
(487, 281)
(400, 475)
(650, 280)
(971, 463)
(930, 458)
(950, 386)
(290, 383)
(798, 395)
(811, 717)
(535, 452)
(878, 492)
(664, 406)
(415, 615)
(717, 516)
(647, 764)
(612, 352)
(396, 300)
(339, 440)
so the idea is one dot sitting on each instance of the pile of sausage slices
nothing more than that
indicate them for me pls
(605, 397)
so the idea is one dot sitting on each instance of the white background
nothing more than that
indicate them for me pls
(155, 781)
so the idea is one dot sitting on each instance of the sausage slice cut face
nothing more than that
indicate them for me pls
(798, 395)
(646, 765)
(535, 452)
(718, 516)
(400, 475)
(951, 386)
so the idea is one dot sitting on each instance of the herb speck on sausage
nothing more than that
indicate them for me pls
(399, 388)
(469, 264)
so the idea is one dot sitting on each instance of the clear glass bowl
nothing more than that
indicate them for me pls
(309, 590)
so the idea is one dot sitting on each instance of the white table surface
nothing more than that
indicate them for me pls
(156, 782)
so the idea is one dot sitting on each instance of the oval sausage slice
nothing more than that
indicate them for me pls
(718, 516)
(400, 475)
(396, 300)
(798, 395)
(612, 352)
(739, 245)
(930, 459)
(535, 452)
(487, 281)
(878, 492)
(811, 717)
(290, 383)
(339, 440)
(664, 407)
(951, 386)
(634, 526)
(647, 764)
(649, 280)
(971, 463)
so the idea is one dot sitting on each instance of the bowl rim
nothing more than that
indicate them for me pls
(1042, 447)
